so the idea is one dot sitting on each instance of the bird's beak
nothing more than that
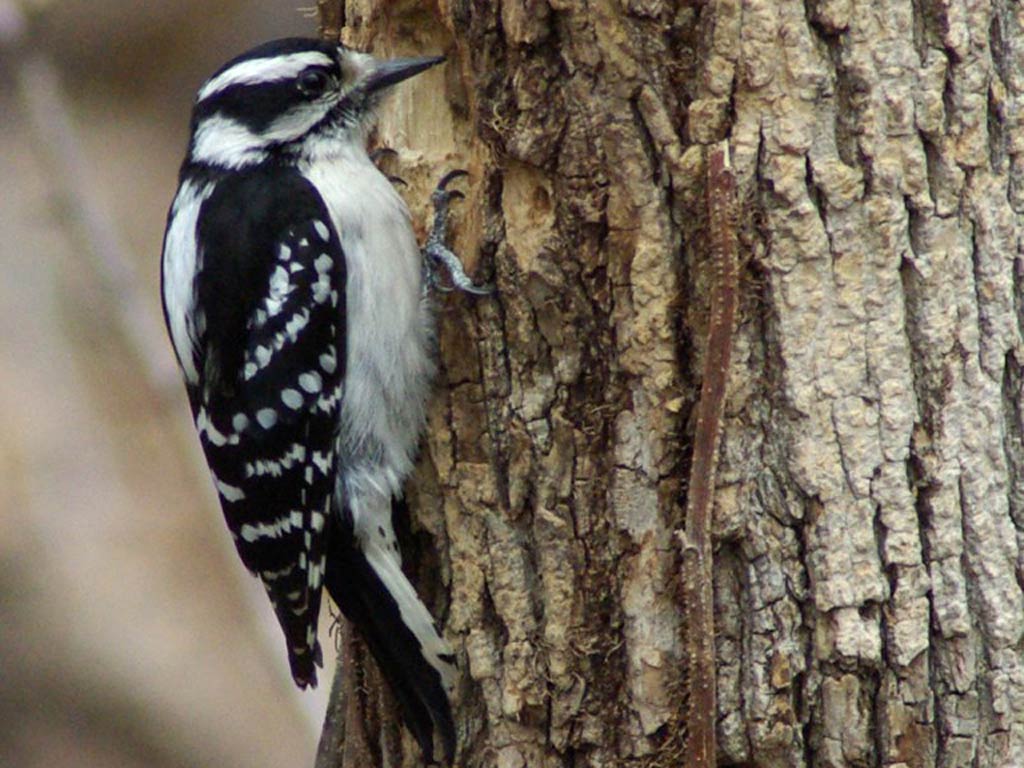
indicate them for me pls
(396, 70)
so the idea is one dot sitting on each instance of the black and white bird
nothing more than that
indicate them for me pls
(294, 295)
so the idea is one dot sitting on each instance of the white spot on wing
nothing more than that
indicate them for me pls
(292, 399)
(252, 531)
(316, 573)
(276, 467)
(322, 230)
(274, 575)
(279, 285)
(229, 492)
(267, 417)
(310, 381)
(213, 435)
(323, 263)
(296, 324)
(322, 461)
(328, 402)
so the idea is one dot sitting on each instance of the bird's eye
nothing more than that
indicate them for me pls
(313, 83)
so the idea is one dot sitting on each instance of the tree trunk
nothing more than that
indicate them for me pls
(868, 500)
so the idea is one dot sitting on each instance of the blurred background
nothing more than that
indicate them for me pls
(130, 635)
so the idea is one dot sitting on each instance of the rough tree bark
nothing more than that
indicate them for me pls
(868, 502)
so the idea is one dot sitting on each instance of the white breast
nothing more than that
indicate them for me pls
(389, 331)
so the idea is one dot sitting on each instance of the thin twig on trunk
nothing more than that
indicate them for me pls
(696, 540)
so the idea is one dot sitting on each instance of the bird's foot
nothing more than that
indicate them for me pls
(436, 252)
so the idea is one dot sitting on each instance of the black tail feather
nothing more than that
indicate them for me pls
(359, 593)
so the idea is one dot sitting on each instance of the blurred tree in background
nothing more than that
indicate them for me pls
(129, 633)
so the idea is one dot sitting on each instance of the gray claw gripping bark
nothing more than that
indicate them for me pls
(437, 252)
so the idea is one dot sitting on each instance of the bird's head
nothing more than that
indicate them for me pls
(291, 98)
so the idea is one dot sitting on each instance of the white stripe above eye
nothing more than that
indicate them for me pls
(268, 70)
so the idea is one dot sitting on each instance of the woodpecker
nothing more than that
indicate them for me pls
(297, 303)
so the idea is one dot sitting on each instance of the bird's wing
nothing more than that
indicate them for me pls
(273, 353)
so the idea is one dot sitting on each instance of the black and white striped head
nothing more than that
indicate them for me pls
(290, 98)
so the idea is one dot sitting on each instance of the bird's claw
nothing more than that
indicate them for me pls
(449, 177)
(441, 195)
(436, 249)
(381, 152)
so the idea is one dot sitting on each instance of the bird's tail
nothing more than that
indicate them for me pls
(369, 586)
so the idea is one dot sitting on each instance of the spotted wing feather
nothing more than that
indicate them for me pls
(269, 394)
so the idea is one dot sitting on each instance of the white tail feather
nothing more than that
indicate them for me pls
(414, 614)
